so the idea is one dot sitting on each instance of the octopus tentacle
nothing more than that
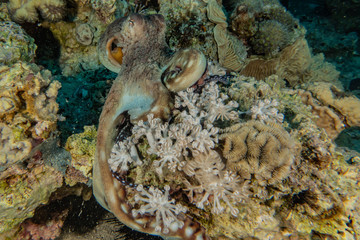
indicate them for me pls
(139, 90)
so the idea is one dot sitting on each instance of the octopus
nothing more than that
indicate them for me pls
(148, 72)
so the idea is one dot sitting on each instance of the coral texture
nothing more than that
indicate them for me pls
(28, 109)
(326, 117)
(188, 26)
(266, 25)
(262, 151)
(50, 10)
(23, 190)
(84, 34)
(347, 106)
(231, 51)
(270, 38)
(82, 149)
(15, 44)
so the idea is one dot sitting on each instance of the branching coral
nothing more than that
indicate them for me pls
(50, 10)
(262, 151)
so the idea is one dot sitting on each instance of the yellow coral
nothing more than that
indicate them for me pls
(82, 149)
(346, 105)
(21, 194)
(51, 10)
(28, 101)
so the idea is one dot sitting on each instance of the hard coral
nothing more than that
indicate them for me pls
(12, 150)
(232, 53)
(262, 151)
(266, 25)
(84, 34)
(28, 105)
(271, 37)
(82, 149)
(23, 190)
(15, 44)
(50, 10)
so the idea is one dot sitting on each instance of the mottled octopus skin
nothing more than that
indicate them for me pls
(138, 90)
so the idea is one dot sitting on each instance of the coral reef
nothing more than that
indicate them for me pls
(28, 101)
(82, 149)
(188, 26)
(265, 25)
(15, 44)
(347, 106)
(22, 190)
(231, 51)
(220, 123)
(50, 10)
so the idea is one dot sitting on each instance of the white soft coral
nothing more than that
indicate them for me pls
(157, 203)
(214, 183)
(122, 154)
(266, 111)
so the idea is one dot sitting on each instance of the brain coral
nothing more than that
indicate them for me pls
(264, 151)
(15, 44)
(28, 11)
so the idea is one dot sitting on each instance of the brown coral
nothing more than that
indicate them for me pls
(292, 64)
(50, 10)
(259, 150)
(327, 119)
(347, 106)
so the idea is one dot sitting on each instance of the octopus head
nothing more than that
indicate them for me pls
(135, 29)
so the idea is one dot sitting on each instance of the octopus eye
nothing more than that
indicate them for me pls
(131, 22)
